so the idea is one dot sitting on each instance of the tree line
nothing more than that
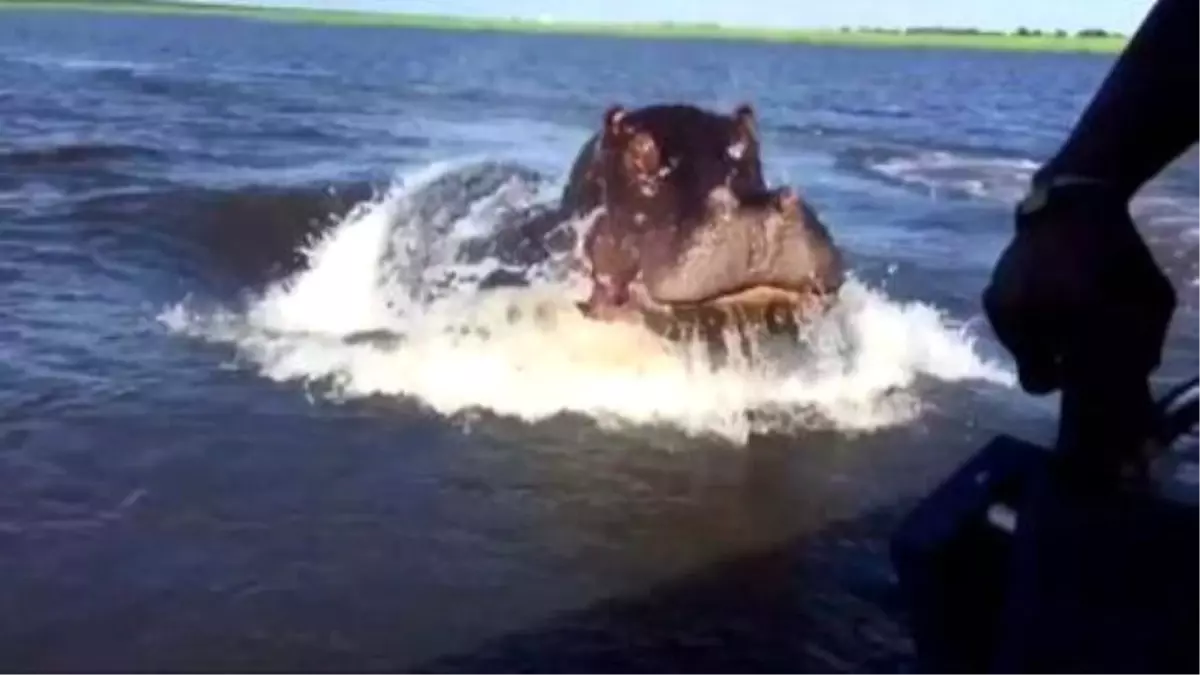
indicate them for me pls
(1021, 31)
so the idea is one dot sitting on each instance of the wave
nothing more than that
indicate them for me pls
(943, 173)
(946, 173)
(387, 305)
(1167, 210)
(81, 63)
(74, 154)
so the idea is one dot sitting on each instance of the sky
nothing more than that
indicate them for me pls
(1071, 15)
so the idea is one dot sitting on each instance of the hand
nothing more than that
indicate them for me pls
(1078, 290)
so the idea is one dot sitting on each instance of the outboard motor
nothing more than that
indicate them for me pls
(1032, 560)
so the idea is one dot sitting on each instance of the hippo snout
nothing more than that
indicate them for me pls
(771, 239)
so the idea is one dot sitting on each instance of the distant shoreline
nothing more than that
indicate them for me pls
(849, 38)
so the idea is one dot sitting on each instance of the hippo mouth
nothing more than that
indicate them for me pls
(766, 250)
(768, 310)
(759, 295)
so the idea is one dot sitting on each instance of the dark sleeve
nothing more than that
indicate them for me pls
(1145, 113)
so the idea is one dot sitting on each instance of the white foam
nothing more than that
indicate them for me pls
(527, 353)
(1005, 179)
(999, 178)
(83, 63)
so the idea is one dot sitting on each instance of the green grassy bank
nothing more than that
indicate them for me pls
(1044, 42)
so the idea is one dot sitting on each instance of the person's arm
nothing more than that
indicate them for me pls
(1145, 113)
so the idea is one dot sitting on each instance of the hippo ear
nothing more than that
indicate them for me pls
(613, 117)
(745, 130)
(747, 119)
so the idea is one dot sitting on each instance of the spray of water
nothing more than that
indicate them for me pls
(383, 308)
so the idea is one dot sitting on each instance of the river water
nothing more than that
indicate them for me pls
(204, 469)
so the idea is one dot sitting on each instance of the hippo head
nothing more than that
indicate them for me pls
(689, 222)
(765, 240)
(659, 164)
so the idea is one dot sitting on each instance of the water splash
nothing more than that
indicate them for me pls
(354, 322)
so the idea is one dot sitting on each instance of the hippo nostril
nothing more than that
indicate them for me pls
(722, 199)
(787, 201)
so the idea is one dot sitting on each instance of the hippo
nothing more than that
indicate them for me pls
(688, 223)
(684, 229)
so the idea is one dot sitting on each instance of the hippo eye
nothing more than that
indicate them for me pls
(737, 150)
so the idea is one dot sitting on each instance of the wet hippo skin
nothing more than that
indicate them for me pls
(687, 219)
